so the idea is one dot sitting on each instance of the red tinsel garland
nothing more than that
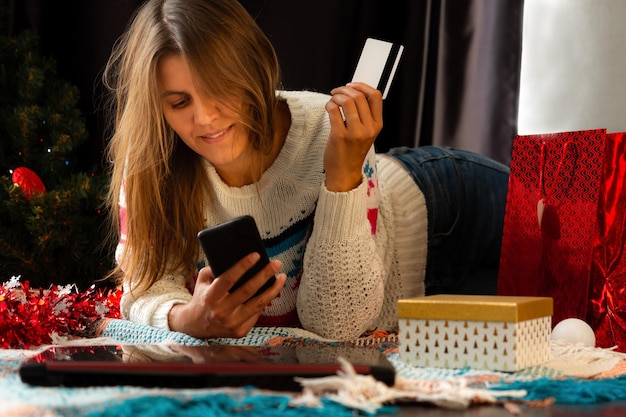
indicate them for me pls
(32, 317)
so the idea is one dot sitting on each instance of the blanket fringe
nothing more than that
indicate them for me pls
(578, 360)
(365, 393)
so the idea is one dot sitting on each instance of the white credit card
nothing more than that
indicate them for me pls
(377, 64)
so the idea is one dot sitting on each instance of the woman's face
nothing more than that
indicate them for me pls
(205, 125)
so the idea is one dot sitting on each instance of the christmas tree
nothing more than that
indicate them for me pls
(52, 214)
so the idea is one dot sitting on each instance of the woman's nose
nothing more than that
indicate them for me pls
(206, 112)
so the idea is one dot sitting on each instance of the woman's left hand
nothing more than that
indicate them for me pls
(356, 118)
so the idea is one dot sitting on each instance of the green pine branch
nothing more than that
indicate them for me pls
(57, 237)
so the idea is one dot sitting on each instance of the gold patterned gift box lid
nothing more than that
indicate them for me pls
(475, 307)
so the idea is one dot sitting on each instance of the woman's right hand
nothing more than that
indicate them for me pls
(215, 312)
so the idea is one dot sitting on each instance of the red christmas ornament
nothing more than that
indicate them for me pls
(28, 181)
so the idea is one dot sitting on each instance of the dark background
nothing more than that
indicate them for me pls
(319, 42)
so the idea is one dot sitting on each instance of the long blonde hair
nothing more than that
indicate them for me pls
(164, 181)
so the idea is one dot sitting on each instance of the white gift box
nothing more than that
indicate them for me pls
(499, 333)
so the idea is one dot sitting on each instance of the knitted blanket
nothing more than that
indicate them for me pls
(597, 373)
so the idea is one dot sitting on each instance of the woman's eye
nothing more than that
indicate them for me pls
(180, 103)
(177, 101)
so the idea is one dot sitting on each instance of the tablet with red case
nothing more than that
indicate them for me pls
(176, 366)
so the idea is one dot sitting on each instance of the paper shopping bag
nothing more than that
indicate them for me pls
(551, 220)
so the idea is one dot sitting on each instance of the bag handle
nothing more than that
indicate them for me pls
(547, 215)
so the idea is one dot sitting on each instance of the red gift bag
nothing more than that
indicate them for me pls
(606, 310)
(550, 235)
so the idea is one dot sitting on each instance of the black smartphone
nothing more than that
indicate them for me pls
(226, 243)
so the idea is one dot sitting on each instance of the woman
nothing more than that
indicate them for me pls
(202, 133)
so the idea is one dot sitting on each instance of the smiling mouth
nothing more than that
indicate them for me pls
(217, 134)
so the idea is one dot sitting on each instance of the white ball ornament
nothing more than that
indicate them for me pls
(574, 331)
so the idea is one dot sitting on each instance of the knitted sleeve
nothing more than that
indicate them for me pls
(152, 307)
(342, 287)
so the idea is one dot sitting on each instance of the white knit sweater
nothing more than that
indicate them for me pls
(348, 256)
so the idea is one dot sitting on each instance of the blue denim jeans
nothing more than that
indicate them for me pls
(465, 197)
